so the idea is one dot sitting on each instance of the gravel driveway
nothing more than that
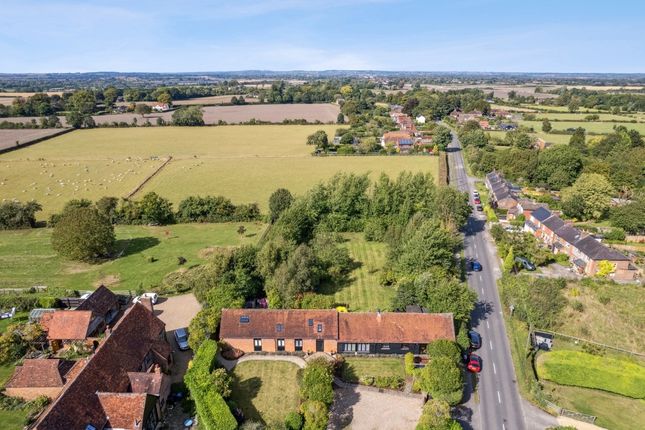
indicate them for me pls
(177, 312)
(359, 409)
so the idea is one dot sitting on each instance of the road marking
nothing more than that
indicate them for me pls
(487, 325)
(503, 426)
(499, 398)
(475, 246)
(490, 343)
(480, 278)
(494, 369)
(482, 290)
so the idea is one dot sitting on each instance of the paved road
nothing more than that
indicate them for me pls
(500, 405)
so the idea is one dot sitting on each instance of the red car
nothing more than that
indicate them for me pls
(474, 363)
(477, 201)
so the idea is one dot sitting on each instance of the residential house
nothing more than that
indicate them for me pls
(583, 250)
(40, 377)
(500, 113)
(484, 124)
(403, 141)
(161, 107)
(301, 330)
(123, 385)
(502, 193)
(65, 326)
(103, 304)
(420, 119)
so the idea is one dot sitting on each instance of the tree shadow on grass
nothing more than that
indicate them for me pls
(243, 394)
(126, 247)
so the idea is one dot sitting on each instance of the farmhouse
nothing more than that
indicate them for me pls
(584, 251)
(160, 107)
(403, 141)
(122, 385)
(64, 327)
(295, 330)
(103, 304)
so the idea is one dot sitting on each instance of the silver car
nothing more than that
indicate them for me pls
(181, 336)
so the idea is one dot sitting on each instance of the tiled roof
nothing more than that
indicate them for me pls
(40, 373)
(541, 214)
(67, 325)
(123, 350)
(263, 323)
(553, 222)
(394, 327)
(597, 251)
(123, 410)
(101, 301)
(148, 382)
(568, 234)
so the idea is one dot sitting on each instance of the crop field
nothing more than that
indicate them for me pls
(551, 108)
(10, 138)
(579, 369)
(213, 100)
(364, 292)
(593, 127)
(243, 163)
(27, 258)
(274, 113)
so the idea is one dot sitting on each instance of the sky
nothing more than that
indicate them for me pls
(40, 36)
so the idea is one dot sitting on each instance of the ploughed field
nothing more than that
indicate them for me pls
(243, 163)
(10, 138)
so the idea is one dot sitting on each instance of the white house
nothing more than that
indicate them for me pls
(420, 119)
(160, 107)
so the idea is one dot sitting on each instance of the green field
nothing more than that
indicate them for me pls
(557, 108)
(555, 139)
(27, 259)
(266, 391)
(356, 367)
(592, 127)
(579, 369)
(364, 292)
(569, 116)
(244, 163)
(613, 411)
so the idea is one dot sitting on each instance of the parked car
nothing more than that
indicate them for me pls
(480, 207)
(181, 336)
(526, 264)
(475, 339)
(477, 201)
(152, 296)
(476, 194)
(474, 363)
(85, 296)
(477, 267)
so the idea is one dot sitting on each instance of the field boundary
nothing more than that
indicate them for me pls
(148, 178)
(579, 339)
(36, 140)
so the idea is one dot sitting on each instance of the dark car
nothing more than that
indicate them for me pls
(526, 264)
(474, 363)
(477, 267)
(475, 339)
(479, 208)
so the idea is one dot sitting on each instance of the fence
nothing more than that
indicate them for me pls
(34, 289)
(578, 339)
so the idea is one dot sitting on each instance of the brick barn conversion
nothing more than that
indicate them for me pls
(295, 330)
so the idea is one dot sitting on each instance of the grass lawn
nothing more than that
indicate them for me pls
(364, 292)
(620, 376)
(555, 139)
(613, 411)
(356, 367)
(244, 163)
(13, 420)
(593, 127)
(266, 391)
(27, 258)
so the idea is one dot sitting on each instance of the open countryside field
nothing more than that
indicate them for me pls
(556, 139)
(364, 292)
(213, 100)
(11, 138)
(27, 258)
(274, 113)
(567, 116)
(266, 391)
(590, 127)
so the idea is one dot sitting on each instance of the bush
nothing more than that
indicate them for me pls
(604, 299)
(316, 301)
(316, 415)
(409, 364)
(443, 379)
(48, 302)
(83, 234)
(615, 234)
(577, 306)
(293, 421)
(444, 348)
(15, 215)
(317, 380)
